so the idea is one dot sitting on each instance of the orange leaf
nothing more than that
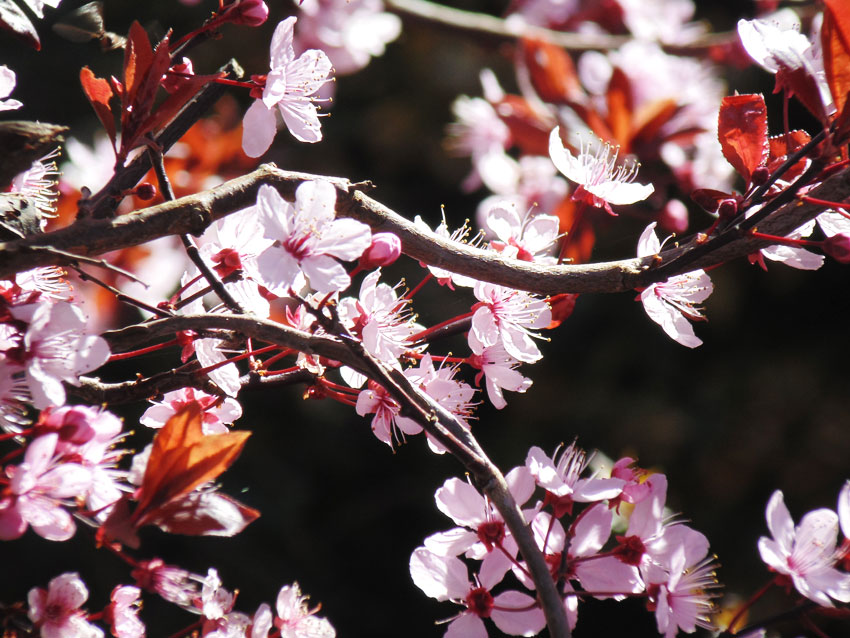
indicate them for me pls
(619, 98)
(528, 131)
(551, 70)
(836, 61)
(742, 131)
(839, 10)
(99, 93)
(182, 458)
(137, 58)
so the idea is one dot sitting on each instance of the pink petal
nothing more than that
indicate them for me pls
(258, 129)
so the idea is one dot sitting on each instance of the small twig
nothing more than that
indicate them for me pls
(120, 296)
(191, 249)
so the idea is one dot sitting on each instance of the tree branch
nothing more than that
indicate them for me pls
(194, 213)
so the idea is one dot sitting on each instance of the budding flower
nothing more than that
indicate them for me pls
(251, 13)
(177, 74)
(727, 209)
(383, 251)
(838, 247)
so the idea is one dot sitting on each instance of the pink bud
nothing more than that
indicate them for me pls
(674, 217)
(838, 247)
(385, 249)
(176, 75)
(728, 209)
(251, 13)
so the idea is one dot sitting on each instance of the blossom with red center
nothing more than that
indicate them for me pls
(56, 610)
(445, 578)
(508, 317)
(806, 552)
(218, 412)
(527, 238)
(307, 239)
(601, 181)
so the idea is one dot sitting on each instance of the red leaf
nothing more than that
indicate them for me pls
(205, 513)
(528, 131)
(620, 105)
(182, 458)
(99, 93)
(836, 60)
(742, 131)
(137, 58)
(840, 12)
(781, 146)
(562, 307)
(551, 69)
(14, 20)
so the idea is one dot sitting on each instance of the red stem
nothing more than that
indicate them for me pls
(134, 353)
(421, 335)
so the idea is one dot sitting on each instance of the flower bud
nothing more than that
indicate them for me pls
(838, 247)
(145, 191)
(760, 176)
(251, 13)
(728, 209)
(385, 249)
(674, 217)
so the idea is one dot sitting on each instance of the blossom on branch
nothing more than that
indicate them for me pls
(307, 239)
(670, 303)
(289, 86)
(601, 182)
(56, 610)
(806, 552)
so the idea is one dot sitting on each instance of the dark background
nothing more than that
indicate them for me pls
(763, 405)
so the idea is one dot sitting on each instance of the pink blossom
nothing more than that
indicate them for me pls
(55, 348)
(683, 594)
(508, 317)
(480, 133)
(806, 553)
(351, 32)
(37, 491)
(38, 185)
(381, 320)
(386, 424)
(7, 85)
(173, 584)
(384, 250)
(561, 477)
(288, 86)
(481, 534)
(444, 277)
(218, 412)
(527, 238)
(307, 239)
(56, 610)
(498, 369)
(123, 612)
(215, 601)
(445, 578)
(670, 303)
(600, 181)
(844, 509)
(295, 619)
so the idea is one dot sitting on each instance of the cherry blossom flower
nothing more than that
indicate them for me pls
(14, 394)
(498, 369)
(215, 601)
(480, 133)
(381, 320)
(289, 87)
(350, 32)
(56, 610)
(444, 277)
(560, 476)
(307, 239)
(779, 48)
(600, 181)
(683, 592)
(670, 303)
(54, 349)
(525, 237)
(173, 584)
(844, 509)
(37, 490)
(123, 612)
(218, 412)
(508, 317)
(296, 620)
(39, 185)
(50, 282)
(387, 425)
(806, 553)
(7, 85)
(481, 534)
(445, 578)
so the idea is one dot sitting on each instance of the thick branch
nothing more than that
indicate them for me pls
(194, 213)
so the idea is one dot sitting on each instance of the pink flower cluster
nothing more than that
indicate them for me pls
(593, 545)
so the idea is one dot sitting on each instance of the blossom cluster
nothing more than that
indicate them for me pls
(602, 537)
